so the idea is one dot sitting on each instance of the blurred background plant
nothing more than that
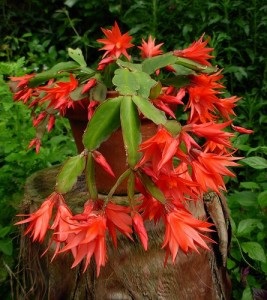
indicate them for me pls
(34, 34)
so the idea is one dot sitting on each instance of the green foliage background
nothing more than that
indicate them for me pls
(41, 31)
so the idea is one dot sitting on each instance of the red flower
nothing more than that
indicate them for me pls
(159, 149)
(197, 51)
(90, 83)
(208, 169)
(242, 129)
(88, 238)
(62, 225)
(168, 101)
(184, 231)
(210, 81)
(39, 119)
(39, 220)
(202, 104)
(140, 229)
(212, 132)
(59, 94)
(176, 187)
(116, 43)
(51, 122)
(100, 159)
(226, 105)
(23, 80)
(36, 142)
(149, 49)
(104, 62)
(151, 208)
(118, 218)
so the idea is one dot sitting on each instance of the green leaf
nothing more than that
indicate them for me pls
(77, 95)
(6, 246)
(230, 264)
(244, 198)
(99, 92)
(125, 82)
(176, 81)
(188, 63)
(152, 188)
(246, 226)
(247, 294)
(254, 251)
(145, 83)
(69, 173)
(130, 124)
(149, 110)
(4, 231)
(181, 70)
(77, 55)
(150, 65)
(128, 65)
(105, 120)
(249, 185)
(90, 177)
(262, 199)
(57, 71)
(155, 90)
(255, 162)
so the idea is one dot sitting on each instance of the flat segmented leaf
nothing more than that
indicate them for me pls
(150, 65)
(55, 72)
(149, 110)
(77, 55)
(145, 82)
(105, 120)
(130, 124)
(152, 188)
(125, 82)
(69, 173)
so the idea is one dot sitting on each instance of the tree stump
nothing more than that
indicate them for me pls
(130, 272)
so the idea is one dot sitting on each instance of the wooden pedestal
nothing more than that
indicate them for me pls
(130, 273)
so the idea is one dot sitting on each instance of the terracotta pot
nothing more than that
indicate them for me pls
(112, 149)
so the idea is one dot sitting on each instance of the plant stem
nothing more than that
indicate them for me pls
(122, 177)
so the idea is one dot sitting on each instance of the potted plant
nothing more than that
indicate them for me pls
(174, 126)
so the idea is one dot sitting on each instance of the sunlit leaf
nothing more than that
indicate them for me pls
(246, 226)
(145, 83)
(77, 55)
(255, 162)
(105, 120)
(69, 173)
(130, 124)
(149, 110)
(57, 71)
(150, 65)
(126, 82)
(152, 189)
(254, 251)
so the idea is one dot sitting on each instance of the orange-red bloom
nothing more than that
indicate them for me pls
(159, 149)
(208, 169)
(140, 229)
(62, 226)
(59, 94)
(39, 220)
(118, 218)
(116, 43)
(88, 238)
(212, 132)
(184, 231)
(36, 143)
(197, 51)
(149, 49)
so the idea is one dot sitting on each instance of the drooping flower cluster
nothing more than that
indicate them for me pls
(188, 156)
